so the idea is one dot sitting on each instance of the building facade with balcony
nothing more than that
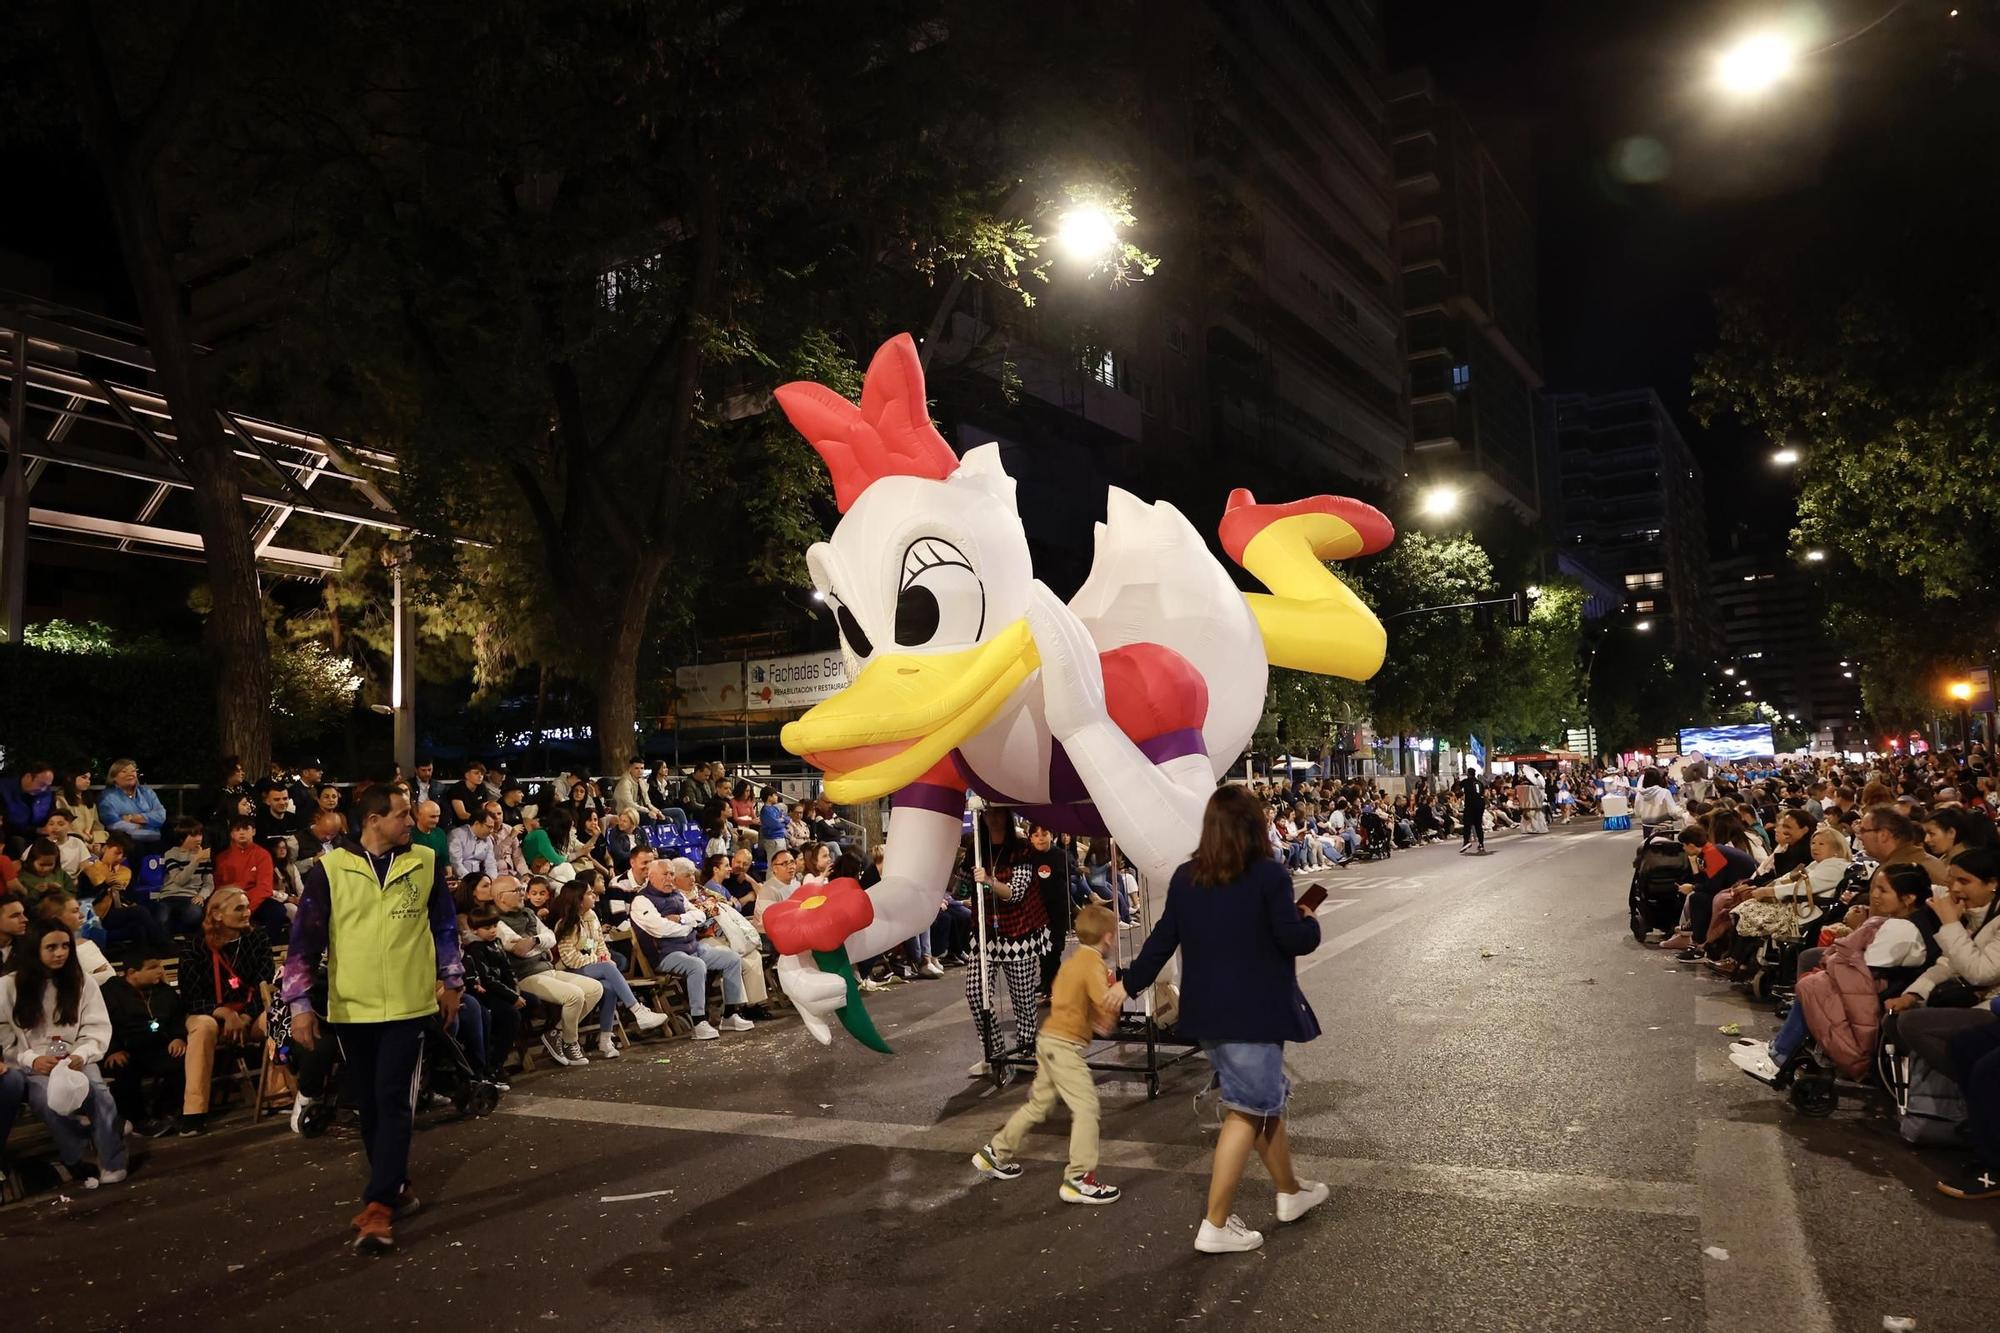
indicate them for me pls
(1770, 618)
(1466, 246)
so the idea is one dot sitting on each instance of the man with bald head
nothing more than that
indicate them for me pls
(426, 832)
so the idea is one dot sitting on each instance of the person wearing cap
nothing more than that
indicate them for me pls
(305, 790)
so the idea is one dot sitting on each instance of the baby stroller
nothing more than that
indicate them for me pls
(1658, 871)
(1376, 842)
(448, 1076)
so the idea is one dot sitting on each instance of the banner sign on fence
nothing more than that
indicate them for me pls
(798, 681)
(714, 688)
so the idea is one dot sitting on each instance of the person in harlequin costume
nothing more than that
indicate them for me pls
(1113, 714)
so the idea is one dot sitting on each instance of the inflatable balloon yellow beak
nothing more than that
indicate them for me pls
(907, 711)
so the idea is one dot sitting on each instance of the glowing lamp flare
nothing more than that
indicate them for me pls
(1961, 690)
(1086, 233)
(1755, 64)
(1440, 502)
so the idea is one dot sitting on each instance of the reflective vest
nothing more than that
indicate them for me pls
(381, 960)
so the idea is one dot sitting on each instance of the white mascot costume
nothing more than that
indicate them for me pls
(1112, 714)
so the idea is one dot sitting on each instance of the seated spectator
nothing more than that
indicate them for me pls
(815, 863)
(276, 820)
(225, 978)
(737, 885)
(130, 808)
(1716, 867)
(620, 837)
(55, 905)
(471, 843)
(73, 798)
(71, 851)
(52, 1014)
(615, 903)
(25, 801)
(745, 825)
(1889, 837)
(829, 828)
(721, 837)
(41, 871)
(13, 925)
(629, 796)
(530, 947)
(667, 927)
(778, 885)
(246, 865)
(489, 980)
(797, 832)
(324, 832)
(588, 851)
(187, 878)
(148, 1040)
(1952, 830)
(541, 897)
(462, 801)
(580, 948)
(549, 843)
(1840, 1005)
(123, 915)
(1955, 992)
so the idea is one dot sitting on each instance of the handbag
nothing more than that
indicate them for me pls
(739, 933)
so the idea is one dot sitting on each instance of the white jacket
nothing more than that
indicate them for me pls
(1970, 952)
(89, 1036)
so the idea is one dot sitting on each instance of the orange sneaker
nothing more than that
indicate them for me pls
(373, 1232)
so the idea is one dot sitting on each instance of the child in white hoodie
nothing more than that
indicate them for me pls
(52, 1014)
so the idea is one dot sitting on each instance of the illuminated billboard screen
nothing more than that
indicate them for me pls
(1750, 741)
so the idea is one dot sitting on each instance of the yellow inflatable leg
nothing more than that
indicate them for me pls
(1311, 621)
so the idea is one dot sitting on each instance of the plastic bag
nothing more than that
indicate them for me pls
(69, 1089)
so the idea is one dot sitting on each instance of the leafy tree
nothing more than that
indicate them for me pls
(1536, 676)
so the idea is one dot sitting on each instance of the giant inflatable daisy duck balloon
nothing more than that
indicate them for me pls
(1114, 713)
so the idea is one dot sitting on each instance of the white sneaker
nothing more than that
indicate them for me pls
(1311, 1194)
(104, 1178)
(978, 1070)
(301, 1107)
(1232, 1237)
(736, 1023)
(607, 1049)
(1754, 1059)
(705, 1031)
(648, 1019)
(933, 968)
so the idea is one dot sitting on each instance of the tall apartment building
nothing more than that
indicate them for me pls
(1466, 244)
(1624, 492)
(1267, 350)
(1771, 620)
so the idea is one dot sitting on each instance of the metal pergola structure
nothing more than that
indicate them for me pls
(92, 461)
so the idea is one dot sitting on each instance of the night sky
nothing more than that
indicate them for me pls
(1560, 89)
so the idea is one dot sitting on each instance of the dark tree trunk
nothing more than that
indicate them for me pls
(618, 669)
(126, 152)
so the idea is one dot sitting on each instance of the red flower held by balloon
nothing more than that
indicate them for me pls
(819, 920)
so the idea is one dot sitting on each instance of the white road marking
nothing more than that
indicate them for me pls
(1747, 1207)
(965, 1134)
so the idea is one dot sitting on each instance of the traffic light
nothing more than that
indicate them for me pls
(1517, 609)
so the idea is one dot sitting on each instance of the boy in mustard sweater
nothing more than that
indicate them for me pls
(1084, 1001)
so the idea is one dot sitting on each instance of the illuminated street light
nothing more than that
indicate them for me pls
(1961, 690)
(1786, 456)
(1440, 502)
(1086, 233)
(1643, 625)
(818, 596)
(1847, 675)
(1729, 671)
(1755, 64)
(1815, 555)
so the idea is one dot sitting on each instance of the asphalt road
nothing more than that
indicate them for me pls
(1526, 1118)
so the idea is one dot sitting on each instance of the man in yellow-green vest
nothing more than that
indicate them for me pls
(376, 910)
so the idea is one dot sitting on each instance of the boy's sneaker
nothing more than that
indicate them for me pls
(374, 1230)
(554, 1045)
(705, 1031)
(1754, 1058)
(302, 1109)
(1974, 1182)
(607, 1048)
(736, 1023)
(988, 1165)
(1311, 1194)
(104, 1178)
(1232, 1237)
(1087, 1188)
(575, 1053)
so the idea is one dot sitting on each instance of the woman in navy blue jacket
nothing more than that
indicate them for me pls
(1230, 912)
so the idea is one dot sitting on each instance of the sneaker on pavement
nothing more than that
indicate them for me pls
(302, 1108)
(736, 1023)
(1754, 1058)
(374, 1230)
(1311, 1194)
(190, 1125)
(1691, 954)
(407, 1202)
(607, 1049)
(498, 1078)
(1678, 941)
(933, 968)
(574, 1053)
(705, 1031)
(649, 1019)
(1974, 1182)
(1232, 1237)
(556, 1048)
(1087, 1188)
(104, 1178)
(978, 1070)
(989, 1165)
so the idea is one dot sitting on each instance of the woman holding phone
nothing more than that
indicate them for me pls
(1230, 912)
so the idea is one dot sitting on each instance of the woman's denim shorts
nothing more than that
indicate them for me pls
(1251, 1075)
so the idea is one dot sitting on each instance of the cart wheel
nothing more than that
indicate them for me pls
(485, 1097)
(1152, 1086)
(1640, 927)
(1815, 1096)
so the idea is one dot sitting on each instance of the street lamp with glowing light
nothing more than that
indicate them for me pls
(1440, 502)
(1755, 64)
(1786, 456)
(1729, 671)
(1961, 690)
(1086, 233)
(1815, 555)
(1643, 625)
